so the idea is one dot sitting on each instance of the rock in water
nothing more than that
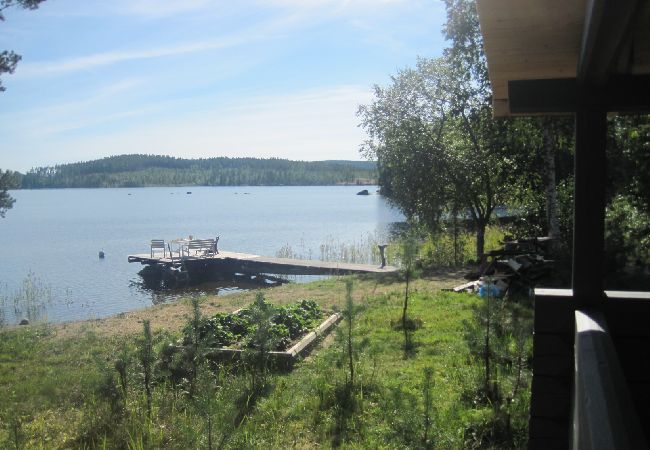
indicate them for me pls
(364, 192)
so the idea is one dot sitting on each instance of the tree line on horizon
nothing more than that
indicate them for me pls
(156, 170)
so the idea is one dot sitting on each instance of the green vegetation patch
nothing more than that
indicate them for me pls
(359, 389)
(430, 398)
(288, 323)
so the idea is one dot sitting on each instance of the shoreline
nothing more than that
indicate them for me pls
(170, 317)
(183, 186)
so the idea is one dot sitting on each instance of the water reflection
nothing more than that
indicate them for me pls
(234, 283)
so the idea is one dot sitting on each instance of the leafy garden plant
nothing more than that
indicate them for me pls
(237, 329)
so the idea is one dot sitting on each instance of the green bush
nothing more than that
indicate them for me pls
(439, 250)
(627, 238)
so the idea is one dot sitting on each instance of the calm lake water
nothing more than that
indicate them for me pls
(56, 236)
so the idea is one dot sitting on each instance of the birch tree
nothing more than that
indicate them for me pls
(439, 149)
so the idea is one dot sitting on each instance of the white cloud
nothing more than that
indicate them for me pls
(311, 125)
(38, 69)
(271, 28)
(147, 9)
(41, 122)
(297, 15)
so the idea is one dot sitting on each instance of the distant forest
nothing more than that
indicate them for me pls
(151, 170)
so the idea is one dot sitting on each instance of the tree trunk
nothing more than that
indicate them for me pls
(455, 222)
(350, 359)
(486, 350)
(480, 239)
(549, 181)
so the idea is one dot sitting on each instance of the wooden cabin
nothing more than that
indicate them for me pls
(591, 356)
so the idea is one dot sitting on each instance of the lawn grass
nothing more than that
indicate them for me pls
(61, 388)
(302, 410)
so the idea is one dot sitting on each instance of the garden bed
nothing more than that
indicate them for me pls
(282, 333)
(287, 357)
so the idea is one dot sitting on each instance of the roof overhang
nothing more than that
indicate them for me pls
(548, 56)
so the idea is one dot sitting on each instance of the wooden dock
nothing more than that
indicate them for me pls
(234, 262)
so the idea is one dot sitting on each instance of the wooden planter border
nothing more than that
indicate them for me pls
(288, 357)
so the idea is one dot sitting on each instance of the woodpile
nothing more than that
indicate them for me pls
(516, 267)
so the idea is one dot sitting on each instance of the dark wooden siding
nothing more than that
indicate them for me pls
(553, 360)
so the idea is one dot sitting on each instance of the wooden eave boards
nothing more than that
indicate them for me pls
(541, 39)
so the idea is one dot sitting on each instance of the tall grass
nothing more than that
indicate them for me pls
(436, 250)
(365, 250)
(29, 301)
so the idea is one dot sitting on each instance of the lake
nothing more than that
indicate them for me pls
(56, 234)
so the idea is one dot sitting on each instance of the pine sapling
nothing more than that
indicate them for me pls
(146, 358)
(196, 342)
(349, 316)
(409, 250)
(428, 406)
(486, 348)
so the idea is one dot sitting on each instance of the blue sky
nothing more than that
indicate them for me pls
(202, 78)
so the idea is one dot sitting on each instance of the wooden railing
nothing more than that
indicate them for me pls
(604, 416)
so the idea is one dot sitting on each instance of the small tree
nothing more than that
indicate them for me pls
(409, 254)
(348, 314)
(207, 402)
(488, 321)
(261, 342)
(147, 359)
(121, 366)
(195, 356)
(428, 406)
(484, 335)
(345, 398)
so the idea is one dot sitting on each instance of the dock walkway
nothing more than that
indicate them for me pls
(248, 263)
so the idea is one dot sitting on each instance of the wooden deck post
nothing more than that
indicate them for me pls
(589, 206)
(604, 416)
